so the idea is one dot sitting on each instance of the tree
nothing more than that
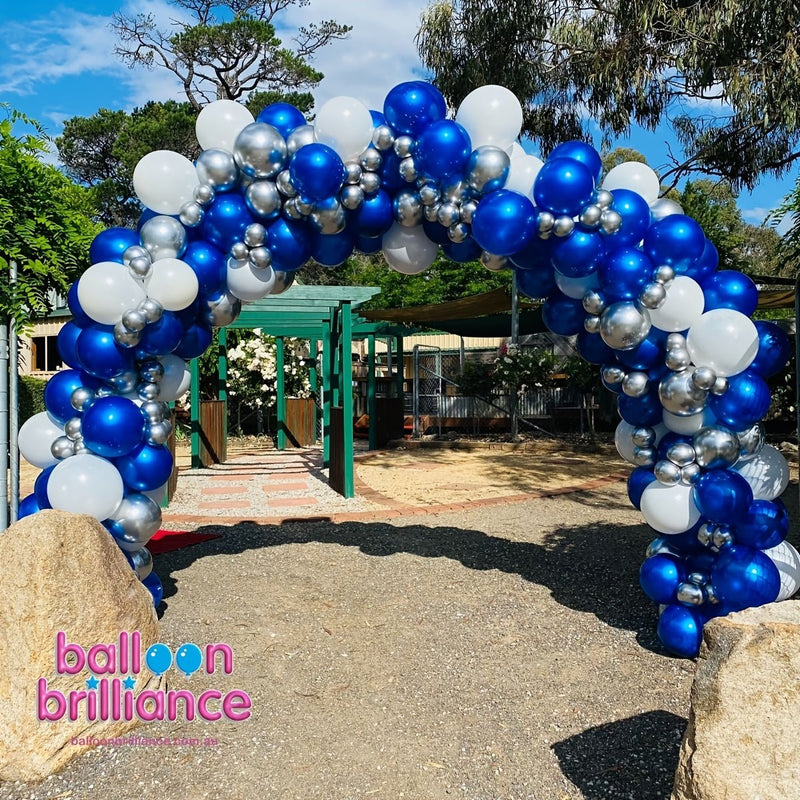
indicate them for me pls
(46, 222)
(724, 73)
(227, 49)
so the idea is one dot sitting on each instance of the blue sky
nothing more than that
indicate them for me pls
(57, 61)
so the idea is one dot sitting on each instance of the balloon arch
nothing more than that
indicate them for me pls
(626, 271)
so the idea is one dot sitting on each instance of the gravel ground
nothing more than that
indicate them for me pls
(491, 653)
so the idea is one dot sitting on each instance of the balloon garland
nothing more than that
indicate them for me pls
(625, 271)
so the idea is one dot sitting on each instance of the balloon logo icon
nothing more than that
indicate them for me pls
(158, 659)
(189, 658)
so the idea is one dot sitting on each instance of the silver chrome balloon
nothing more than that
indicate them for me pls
(140, 267)
(80, 446)
(136, 519)
(680, 396)
(191, 214)
(263, 198)
(125, 382)
(304, 206)
(716, 447)
(603, 198)
(591, 324)
(664, 274)
(487, 168)
(643, 436)
(260, 150)
(299, 137)
(133, 319)
(383, 137)
(722, 537)
(711, 593)
(142, 562)
(458, 232)
(329, 218)
(284, 183)
(448, 214)
(408, 169)
(657, 546)
(134, 251)
(689, 594)
(255, 234)
(667, 473)
(751, 441)
(203, 194)
(371, 160)
(624, 325)
(404, 145)
(124, 337)
(705, 534)
(676, 341)
(428, 194)
(151, 309)
(635, 384)
(610, 221)
(62, 448)
(148, 391)
(283, 280)
(720, 386)
(158, 432)
(664, 207)
(291, 209)
(260, 257)
(73, 427)
(544, 222)
(593, 302)
(653, 295)
(704, 378)
(352, 172)
(467, 211)
(153, 410)
(223, 311)
(351, 197)
(563, 226)
(217, 168)
(678, 359)
(690, 473)
(612, 374)
(163, 237)
(590, 216)
(492, 262)
(370, 183)
(455, 191)
(644, 456)
(239, 251)
(431, 213)
(407, 208)
(81, 398)
(152, 371)
(697, 578)
(681, 454)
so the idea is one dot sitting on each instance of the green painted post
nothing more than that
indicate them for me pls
(346, 391)
(336, 323)
(399, 366)
(313, 380)
(194, 400)
(281, 391)
(222, 376)
(372, 404)
(327, 361)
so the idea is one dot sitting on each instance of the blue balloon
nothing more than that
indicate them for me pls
(563, 315)
(774, 349)
(563, 186)
(369, 244)
(660, 575)
(316, 171)
(535, 255)
(189, 658)
(410, 107)
(503, 222)
(208, 263)
(635, 213)
(374, 216)
(704, 267)
(283, 116)
(67, 339)
(153, 585)
(538, 283)
(765, 525)
(676, 240)
(639, 479)
(462, 252)
(730, 289)
(40, 488)
(27, 506)
(722, 496)
(582, 152)
(391, 179)
(112, 426)
(79, 316)
(442, 150)
(578, 254)
(58, 391)
(680, 630)
(331, 250)
(646, 410)
(744, 577)
(289, 243)
(650, 352)
(745, 403)
(593, 349)
(624, 273)
(687, 542)
(669, 439)
(435, 232)
(226, 220)
(378, 118)
(158, 659)
(195, 341)
(110, 244)
(163, 336)
(145, 468)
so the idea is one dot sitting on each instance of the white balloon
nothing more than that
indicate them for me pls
(85, 484)
(247, 282)
(669, 509)
(408, 250)
(220, 122)
(636, 177)
(106, 290)
(159, 494)
(515, 150)
(35, 437)
(491, 115)
(786, 558)
(345, 125)
(164, 181)
(623, 441)
(767, 473)
(723, 339)
(522, 174)
(177, 378)
(576, 287)
(682, 308)
(173, 283)
(664, 207)
(688, 425)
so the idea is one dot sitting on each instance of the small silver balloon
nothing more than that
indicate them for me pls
(158, 432)
(545, 222)
(383, 137)
(223, 310)
(690, 473)
(448, 214)
(657, 546)
(263, 199)
(73, 427)
(80, 447)
(716, 447)
(455, 191)
(563, 226)
(431, 213)
(163, 237)
(603, 198)
(458, 232)
(283, 280)
(133, 319)
(681, 454)
(612, 374)
(299, 137)
(260, 257)
(624, 325)
(304, 206)
(722, 537)
(291, 209)
(81, 398)
(653, 295)
(371, 160)
(217, 168)
(140, 267)
(676, 341)
(142, 562)
(704, 378)
(260, 150)
(408, 169)
(151, 309)
(711, 594)
(126, 381)
(153, 410)
(352, 172)
(152, 370)
(239, 251)
(705, 534)
(63, 447)
(428, 194)
(255, 234)
(664, 207)
(678, 359)
(487, 168)
(329, 217)
(680, 396)
(135, 521)
(124, 337)
(492, 262)
(148, 391)
(370, 183)
(643, 436)
(667, 473)
(751, 441)
(697, 578)
(351, 197)
(636, 384)
(404, 145)
(644, 456)
(720, 386)
(689, 594)
(590, 216)
(591, 324)
(284, 183)
(467, 211)
(134, 251)
(664, 274)
(593, 302)
(610, 221)
(407, 208)
(204, 194)
(191, 214)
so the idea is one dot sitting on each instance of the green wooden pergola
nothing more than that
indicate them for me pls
(326, 316)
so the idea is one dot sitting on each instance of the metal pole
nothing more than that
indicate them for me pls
(13, 405)
(515, 342)
(415, 394)
(3, 426)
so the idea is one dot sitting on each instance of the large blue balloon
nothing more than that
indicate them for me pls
(283, 116)
(680, 630)
(27, 506)
(535, 255)
(145, 468)
(650, 352)
(67, 339)
(540, 282)
(442, 150)
(331, 250)
(462, 252)
(40, 488)
(743, 577)
(112, 426)
(226, 220)
(703, 267)
(745, 403)
(765, 525)
(110, 244)
(660, 575)
(316, 171)
(593, 349)
(730, 289)
(646, 410)
(563, 186)
(153, 585)
(208, 263)
(635, 213)
(78, 314)
(410, 107)
(369, 245)
(503, 222)
(723, 496)
(391, 179)
(580, 151)
(290, 245)
(436, 232)
(100, 355)
(563, 315)
(58, 391)
(676, 240)
(163, 336)
(194, 342)
(624, 273)
(374, 216)
(774, 349)
(639, 479)
(579, 254)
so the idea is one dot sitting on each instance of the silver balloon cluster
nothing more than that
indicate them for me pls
(72, 442)
(597, 215)
(158, 421)
(685, 390)
(128, 331)
(697, 589)
(253, 247)
(362, 179)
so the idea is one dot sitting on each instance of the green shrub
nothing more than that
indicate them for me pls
(31, 396)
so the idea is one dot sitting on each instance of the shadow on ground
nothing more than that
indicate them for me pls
(632, 759)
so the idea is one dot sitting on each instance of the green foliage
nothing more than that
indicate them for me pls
(31, 397)
(585, 377)
(519, 369)
(45, 222)
(477, 379)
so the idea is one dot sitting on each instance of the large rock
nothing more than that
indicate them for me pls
(744, 724)
(61, 572)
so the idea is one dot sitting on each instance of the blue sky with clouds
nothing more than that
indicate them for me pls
(57, 61)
